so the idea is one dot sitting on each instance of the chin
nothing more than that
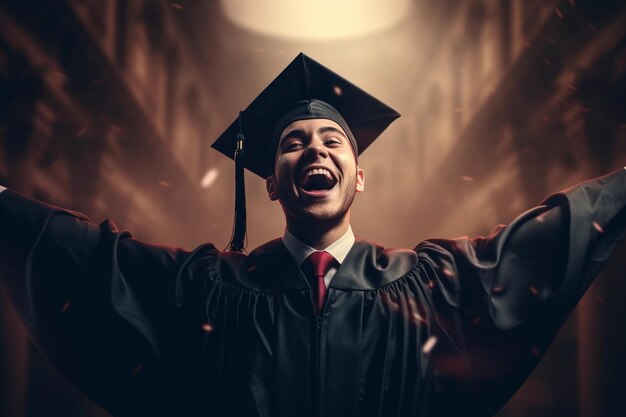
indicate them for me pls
(323, 214)
(331, 211)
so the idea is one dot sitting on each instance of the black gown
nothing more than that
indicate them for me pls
(450, 328)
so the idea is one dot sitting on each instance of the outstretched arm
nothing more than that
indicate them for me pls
(104, 307)
(499, 300)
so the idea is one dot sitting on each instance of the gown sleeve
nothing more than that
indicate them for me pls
(498, 301)
(76, 288)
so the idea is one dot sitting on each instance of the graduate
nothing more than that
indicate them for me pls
(316, 323)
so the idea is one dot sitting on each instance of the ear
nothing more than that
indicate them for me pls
(360, 180)
(270, 184)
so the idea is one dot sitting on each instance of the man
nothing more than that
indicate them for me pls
(316, 323)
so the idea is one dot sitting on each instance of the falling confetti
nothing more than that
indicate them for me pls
(66, 306)
(419, 318)
(119, 129)
(533, 290)
(498, 289)
(164, 183)
(207, 327)
(597, 226)
(337, 90)
(467, 178)
(138, 368)
(209, 178)
(177, 6)
(413, 314)
(559, 13)
(448, 272)
(81, 132)
(536, 352)
(429, 345)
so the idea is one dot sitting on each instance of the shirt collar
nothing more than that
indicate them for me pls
(300, 251)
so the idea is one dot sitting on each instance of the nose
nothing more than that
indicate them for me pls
(316, 149)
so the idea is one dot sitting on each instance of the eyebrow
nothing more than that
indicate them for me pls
(296, 133)
(301, 134)
(331, 129)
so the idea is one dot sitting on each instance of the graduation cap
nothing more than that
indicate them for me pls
(304, 90)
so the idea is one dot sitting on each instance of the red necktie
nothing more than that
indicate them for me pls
(316, 266)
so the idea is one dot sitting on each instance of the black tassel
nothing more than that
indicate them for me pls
(238, 238)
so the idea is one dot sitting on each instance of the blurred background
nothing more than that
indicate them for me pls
(109, 107)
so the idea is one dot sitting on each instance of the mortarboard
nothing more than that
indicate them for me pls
(304, 90)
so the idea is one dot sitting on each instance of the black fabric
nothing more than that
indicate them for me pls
(450, 328)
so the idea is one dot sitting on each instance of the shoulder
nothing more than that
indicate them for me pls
(269, 268)
(387, 259)
(370, 266)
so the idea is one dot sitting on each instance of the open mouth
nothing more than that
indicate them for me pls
(317, 179)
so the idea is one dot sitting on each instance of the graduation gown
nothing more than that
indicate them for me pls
(450, 328)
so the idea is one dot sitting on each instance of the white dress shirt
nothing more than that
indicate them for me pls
(339, 249)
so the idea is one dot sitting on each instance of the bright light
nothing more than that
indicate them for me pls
(316, 19)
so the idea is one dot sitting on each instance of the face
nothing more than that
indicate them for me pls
(316, 174)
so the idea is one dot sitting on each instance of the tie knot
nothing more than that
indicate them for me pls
(318, 263)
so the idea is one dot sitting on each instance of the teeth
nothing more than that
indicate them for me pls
(319, 171)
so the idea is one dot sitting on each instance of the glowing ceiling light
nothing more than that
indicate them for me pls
(316, 19)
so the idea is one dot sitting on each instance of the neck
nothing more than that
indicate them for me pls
(319, 236)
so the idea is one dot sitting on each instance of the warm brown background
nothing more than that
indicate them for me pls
(109, 107)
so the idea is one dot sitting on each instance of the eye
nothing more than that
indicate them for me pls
(332, 141)
(292, 146)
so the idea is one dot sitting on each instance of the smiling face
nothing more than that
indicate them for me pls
(315, 174)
